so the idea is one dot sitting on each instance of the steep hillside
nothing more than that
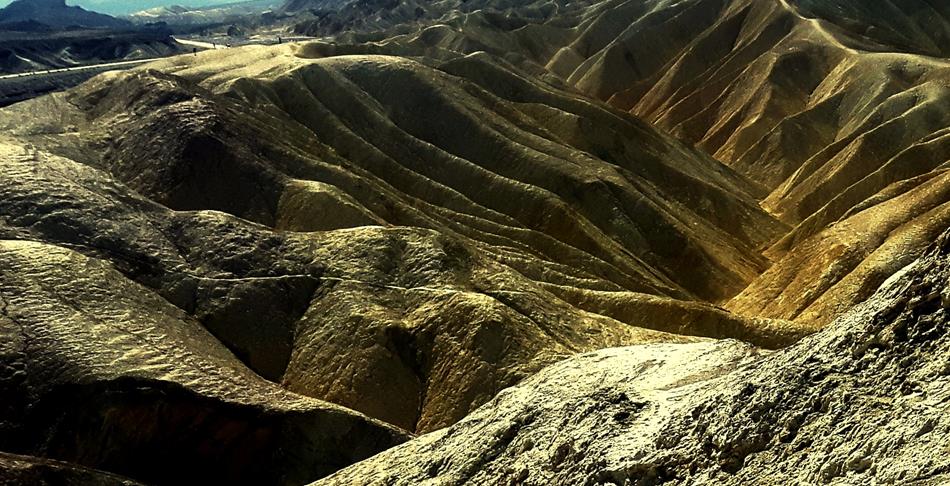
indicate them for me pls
(404, 268)
(863, 401)
(917, 26)
(146, 383)
(834, 107)
(597, 242)
(594, 186)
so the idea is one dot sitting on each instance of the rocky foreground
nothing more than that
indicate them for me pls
(863, 401)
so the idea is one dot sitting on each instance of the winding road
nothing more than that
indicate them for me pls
(128, 64)
(48, 72)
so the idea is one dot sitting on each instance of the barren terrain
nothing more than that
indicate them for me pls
(490, 242)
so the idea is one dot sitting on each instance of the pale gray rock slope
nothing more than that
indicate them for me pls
(864, 401)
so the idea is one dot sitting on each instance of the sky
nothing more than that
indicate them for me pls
(119, 7)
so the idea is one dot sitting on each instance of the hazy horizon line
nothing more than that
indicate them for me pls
(125, 7)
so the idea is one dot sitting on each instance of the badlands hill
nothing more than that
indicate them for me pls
(862, 402)
(303, 220)
(837, 109)
(266, 264)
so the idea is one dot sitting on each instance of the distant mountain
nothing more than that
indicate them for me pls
(181, 15)
(56, 13)
(294, 6)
